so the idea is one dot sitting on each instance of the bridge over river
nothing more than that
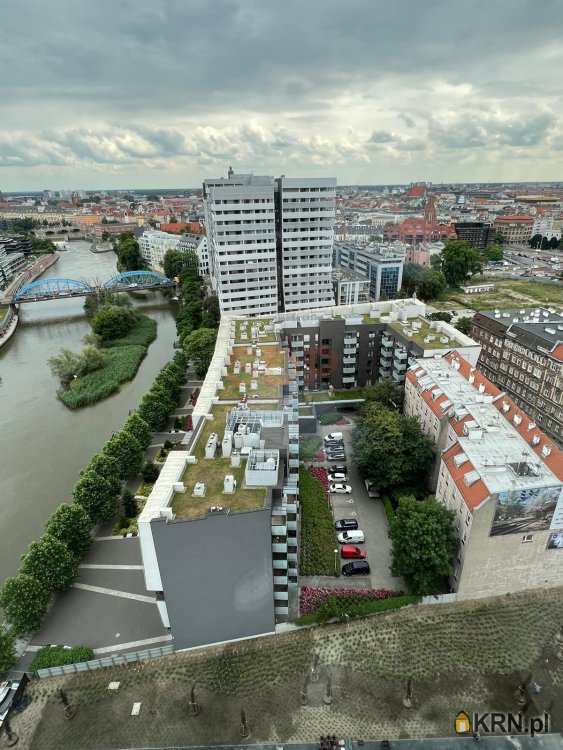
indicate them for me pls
(60, 288)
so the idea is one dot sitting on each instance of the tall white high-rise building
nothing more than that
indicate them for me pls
(270, 242)
(241, 238)
(305, 213)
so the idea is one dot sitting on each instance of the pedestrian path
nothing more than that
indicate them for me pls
(114, 592)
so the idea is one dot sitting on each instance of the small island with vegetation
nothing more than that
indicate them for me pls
(114, 350)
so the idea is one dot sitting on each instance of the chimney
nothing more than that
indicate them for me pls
(230, 173)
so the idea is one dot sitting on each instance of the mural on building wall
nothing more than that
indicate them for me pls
(525, 511)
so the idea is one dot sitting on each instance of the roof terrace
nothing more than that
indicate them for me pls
(261, 372)
(428, 335)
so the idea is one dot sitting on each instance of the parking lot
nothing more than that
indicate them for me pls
(371, 520)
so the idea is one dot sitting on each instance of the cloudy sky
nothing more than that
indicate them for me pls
(162, 93)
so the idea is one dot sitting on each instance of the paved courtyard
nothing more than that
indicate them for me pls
(108, 608)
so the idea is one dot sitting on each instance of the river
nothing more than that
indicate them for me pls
(43, 445)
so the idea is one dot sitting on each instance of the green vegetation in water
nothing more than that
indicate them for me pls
(58, 656)
(318, 537)
(123, 357)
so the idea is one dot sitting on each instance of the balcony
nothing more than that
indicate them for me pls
(387, 343)
(401, 354)
(279, 564)
(279, 547)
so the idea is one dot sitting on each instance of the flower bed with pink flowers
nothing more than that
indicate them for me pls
(312, 597)
(321, 474)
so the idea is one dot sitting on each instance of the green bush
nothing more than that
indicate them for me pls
(309, 445)
(112, 322)
(389, 510)
(343, 607)
(143, 334)
(318, 537)
(150, 472)
(58, 656)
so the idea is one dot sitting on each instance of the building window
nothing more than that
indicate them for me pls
(527, 538)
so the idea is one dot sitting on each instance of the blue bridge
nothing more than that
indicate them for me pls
(57, 288)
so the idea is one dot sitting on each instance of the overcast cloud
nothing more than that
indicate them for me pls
(163, 93)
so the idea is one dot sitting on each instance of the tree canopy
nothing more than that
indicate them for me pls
(7, 649)
(459, 261)
(386, 392)
(113, 321)
(428, 283)
(50, 561)
(96, 495)
(124, 447)
(72, 525)
(176, 261)
(129, 256)
(199, 346)
(140, 429)
(24, 600)
(424, 544)
(464, 325)
(494, 252)
(390, 449)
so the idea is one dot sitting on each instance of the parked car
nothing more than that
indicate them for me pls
(340, 488)
(338, 476)
(336, 456)
(356, 568)
(346, 524)
(334, 444)
(351, 552)
(337, 469)
(353, 536)
(334, 436)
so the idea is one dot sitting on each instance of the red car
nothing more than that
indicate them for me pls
(350, 551)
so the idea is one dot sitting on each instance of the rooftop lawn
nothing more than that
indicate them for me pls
(268, 385)
(344, 395)
(419, 336)
(267, 337)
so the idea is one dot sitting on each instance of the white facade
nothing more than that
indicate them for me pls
(197, 243)
(241, 236)
(307, 213)
(154, 245)
(546, 226)
(270, 242)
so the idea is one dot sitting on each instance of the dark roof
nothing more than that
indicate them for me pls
(529, 333)
(217, 576)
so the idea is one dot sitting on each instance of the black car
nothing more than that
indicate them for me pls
(356, 568)
(346, 524)
(337, 469)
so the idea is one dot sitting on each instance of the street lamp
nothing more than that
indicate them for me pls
(336, 562)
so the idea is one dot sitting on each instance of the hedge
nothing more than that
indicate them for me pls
(313, 597)
(389, 510)
(58, 656)
(318, 537)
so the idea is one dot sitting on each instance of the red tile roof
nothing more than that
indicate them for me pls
(476, 493)
(557, 352)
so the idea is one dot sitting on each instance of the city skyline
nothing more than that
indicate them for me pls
(369, 93)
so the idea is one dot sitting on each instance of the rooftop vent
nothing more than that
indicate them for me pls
(535, 440)
(550, 330)
(517, 419)
(531, 425)
(482, 388)
(546, 450)
(505, 407)
(460, 459)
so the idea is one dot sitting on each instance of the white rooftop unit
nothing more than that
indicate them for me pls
(211, 445)
(229, 484)
(262, 468)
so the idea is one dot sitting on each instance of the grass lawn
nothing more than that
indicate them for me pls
(308, 446)
(266, 338)
(318, 537)
(509, 293)
(268, 385)
(345, 395)
(123, 357)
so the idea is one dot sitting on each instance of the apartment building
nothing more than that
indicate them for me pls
(522, 353)
(515, 229)
(350, 288)
(357, 345)
(241, 235)
(498, 473)
(305, 214)
(219, 533)
(381, 264)
(547, 226)
(154, 245)
(197, 243)
(270, 242)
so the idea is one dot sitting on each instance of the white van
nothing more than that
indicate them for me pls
(354, 536)
(334, 436)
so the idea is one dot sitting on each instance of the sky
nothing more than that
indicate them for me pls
(163, 93)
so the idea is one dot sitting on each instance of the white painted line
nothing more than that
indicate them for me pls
(114, 592)
(106, 538)
(133, 644)
(136, 710)
(100, 566)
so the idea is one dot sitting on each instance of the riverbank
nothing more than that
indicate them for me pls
(9, 321)
(123, 359)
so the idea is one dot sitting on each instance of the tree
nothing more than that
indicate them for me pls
(445, 316)
(199, 346)
(459, 261)
(153, 198)
(129, 504)
(129, 256)
(108, 468)
(177, 261)
(464, 325)
(50, 561)
(428, 283)
(535, 241)
(554, 243)
(72, 525)
(65, 365)
(140, 429)
(96, 495)
(112, 322)
(153, 411)
(24, 600)
(494, 253)
(544, 243)
(424, 544)
(7, 649)
(150, 472)
(127, 450)
(386, 392)
(390, 449)
(211, 312)
(104, 297)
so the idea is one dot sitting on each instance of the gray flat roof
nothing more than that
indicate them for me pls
(217, 576)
